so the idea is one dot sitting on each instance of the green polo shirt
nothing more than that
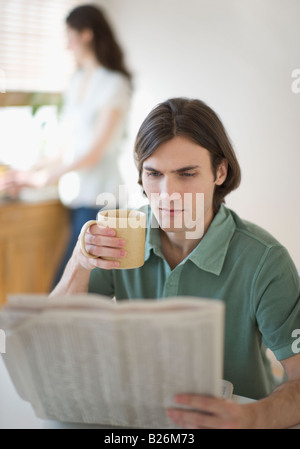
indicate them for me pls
(239, 263)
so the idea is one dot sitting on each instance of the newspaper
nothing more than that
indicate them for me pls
(87, 359)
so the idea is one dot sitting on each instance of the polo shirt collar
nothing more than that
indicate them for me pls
(153, 237)
(210, 253)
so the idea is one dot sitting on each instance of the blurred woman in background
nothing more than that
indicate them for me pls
(96, 106)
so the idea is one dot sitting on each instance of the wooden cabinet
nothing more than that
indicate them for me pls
(32, 241)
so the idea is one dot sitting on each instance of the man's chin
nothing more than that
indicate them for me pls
(189, 232)
(171, 227)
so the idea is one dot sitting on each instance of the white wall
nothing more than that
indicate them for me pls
(238, 56)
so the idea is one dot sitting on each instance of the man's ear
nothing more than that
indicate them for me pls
(221, 172)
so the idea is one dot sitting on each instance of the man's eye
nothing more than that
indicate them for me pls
(153, 173)
(187, 174)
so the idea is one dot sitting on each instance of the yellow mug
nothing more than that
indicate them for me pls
(130, 225)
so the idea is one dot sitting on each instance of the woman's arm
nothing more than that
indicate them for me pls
(106, 124)
(104, 130)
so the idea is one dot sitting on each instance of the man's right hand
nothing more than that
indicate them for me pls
(102, 242)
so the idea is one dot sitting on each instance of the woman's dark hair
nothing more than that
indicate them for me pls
(105, 45)
(196, 121)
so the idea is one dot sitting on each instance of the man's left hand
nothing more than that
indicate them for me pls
(209, 413)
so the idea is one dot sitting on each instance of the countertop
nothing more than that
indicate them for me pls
(30, 195)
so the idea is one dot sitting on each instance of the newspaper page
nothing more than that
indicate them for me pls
(89, 360)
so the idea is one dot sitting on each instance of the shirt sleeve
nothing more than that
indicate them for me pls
(276, 300)
(101, 282)
(118, 93)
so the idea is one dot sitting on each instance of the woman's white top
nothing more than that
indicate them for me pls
(106, 90)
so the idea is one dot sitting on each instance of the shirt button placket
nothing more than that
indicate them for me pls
(171, 284)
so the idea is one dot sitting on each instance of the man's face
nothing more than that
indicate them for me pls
(179, 183)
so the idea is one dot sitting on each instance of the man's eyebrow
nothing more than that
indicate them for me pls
(178, 170)
(189, 167)
(149, 168)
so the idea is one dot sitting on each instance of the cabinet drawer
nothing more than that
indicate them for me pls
(32, 242)
(23, 218)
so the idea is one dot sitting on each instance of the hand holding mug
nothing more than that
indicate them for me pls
(116, 239)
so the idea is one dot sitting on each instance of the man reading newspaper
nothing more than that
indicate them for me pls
(195, 246)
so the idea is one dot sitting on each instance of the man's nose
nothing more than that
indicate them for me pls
(168, 188)
(169, 192)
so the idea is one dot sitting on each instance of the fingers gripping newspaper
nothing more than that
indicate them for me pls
(88, 359)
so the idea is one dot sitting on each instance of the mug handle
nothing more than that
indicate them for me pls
(83, 231)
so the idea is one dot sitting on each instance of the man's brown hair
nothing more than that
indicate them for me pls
(193, 119)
